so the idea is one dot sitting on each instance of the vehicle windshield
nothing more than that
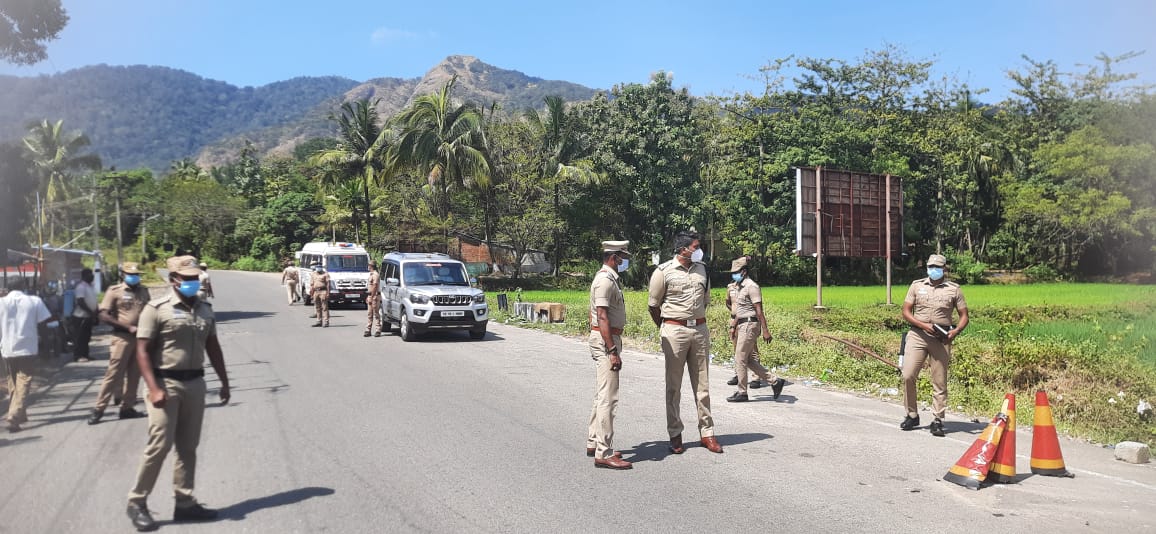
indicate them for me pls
(347, 263)
(434, 274)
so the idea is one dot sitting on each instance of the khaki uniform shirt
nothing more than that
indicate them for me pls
(934, 303)
(679, 292)
(320, 283)
(125, 304)
(177, 332)
(605, 292)
(744, 295)
(290, 274)
(374, 282)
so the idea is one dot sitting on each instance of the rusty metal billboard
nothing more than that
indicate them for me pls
(858, 211)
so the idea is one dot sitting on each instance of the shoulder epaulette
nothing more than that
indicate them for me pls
(156, 303)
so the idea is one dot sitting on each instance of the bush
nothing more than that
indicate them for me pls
(249, 263)
(965, 268)
(1041, 273)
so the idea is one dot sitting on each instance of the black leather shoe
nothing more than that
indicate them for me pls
(937, 427)
(777, 388)
(116, 401)
(141, 518)
(734, 381)
(95, 416)
(131, 414)
(195, 512)
(738, 397)
(757, 383)
(316, 325)
(366, 334)
(909, 423)
(377, 334)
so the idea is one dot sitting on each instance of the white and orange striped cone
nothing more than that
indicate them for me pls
(971, 469)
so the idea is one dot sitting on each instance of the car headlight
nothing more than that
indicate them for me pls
(480, 298)
(418, 298)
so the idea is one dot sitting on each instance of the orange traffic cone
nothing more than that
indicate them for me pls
(972, 468)
(1003, 465)
(1047, 459)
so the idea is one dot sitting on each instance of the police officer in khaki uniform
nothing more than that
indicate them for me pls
(744, 329)
(607, 319)
(928, 309)
(174, 334)
(373, 302)
(289, 280)
(121, 308)
(732, 297)
(319, 289)
(679, 295)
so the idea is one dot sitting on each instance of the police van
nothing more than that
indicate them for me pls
(347, 265)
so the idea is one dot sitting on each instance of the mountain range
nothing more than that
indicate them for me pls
(148, 116)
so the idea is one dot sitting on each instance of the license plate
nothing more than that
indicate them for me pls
(352, 295)
(453, 314)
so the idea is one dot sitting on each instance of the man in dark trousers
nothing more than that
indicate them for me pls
(174, 334)
(83, 316)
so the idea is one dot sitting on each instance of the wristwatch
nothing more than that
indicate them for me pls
(612, 349)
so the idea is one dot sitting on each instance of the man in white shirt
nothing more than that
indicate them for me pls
(20, 315)
(83, 315)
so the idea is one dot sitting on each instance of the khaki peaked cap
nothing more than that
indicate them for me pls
(616, 246)
(936, 259)
(184, 266)
(130, 268)
(739, 264)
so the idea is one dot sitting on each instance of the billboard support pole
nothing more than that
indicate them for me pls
(887, 184)
(819, 238)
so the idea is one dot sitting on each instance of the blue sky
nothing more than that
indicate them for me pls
(712, 47)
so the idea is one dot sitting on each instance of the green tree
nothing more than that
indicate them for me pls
(26, 26)
(360, 155)
(16, 190)
(56, 155)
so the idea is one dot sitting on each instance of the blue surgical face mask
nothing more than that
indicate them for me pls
(625, 264)
(189, 288)
(737, 277)
(935, 273)
(132, 279)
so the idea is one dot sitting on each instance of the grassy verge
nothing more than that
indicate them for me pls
(1090, 346)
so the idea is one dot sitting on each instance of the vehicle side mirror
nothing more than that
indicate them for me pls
(392, 282)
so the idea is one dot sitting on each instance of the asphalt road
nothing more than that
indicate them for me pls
(332, 432)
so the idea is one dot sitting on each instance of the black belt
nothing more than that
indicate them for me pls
(183, 375)
(751, 319)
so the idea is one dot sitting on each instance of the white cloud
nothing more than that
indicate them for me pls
(383, 35)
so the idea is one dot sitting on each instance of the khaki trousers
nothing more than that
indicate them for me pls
(687, 347)
(20, 370)
(291, 291)
(177, 424)
(321, 305)
(601, 430)
(747, 354)
(123, 374)
(373, 306)
(920, 346)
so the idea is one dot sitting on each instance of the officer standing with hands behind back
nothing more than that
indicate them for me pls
(319, 289)
(928, 309)
(174, 334)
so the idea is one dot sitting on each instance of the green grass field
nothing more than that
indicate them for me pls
(1083, 343)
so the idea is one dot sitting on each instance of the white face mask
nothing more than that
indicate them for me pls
(623, 265)
(696, 256)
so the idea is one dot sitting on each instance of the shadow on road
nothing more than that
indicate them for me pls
(4, 442)
(238, 511)
(656, 451)
(234, 316)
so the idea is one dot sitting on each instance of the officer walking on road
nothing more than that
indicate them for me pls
(319, 290)
(174, 334)
(747, 302)
(373, 302)
(679, 295)
(607, 318)
(289, 280)
(928, 309)
(121, 308)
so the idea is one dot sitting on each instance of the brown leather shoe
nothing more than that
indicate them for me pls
(712, 445)
(676, 445)
(613, 462)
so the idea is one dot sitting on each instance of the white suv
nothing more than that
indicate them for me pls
(421, 292)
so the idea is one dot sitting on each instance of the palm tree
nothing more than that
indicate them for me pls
(55, 155)
(444, 142)
(186, 169)
(565, 155)
(361, 153)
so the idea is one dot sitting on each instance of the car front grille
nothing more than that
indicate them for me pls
(351, 284)
(451, 300)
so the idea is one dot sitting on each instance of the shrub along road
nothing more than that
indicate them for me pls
(332, 431)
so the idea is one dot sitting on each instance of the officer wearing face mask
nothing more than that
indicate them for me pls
(319, 290)
(929, 308)
(607, 319)
(121, 309)
(679, 295)
(746, 302)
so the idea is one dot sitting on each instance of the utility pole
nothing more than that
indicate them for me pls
(95, 225)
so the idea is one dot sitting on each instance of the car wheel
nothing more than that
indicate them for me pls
(478, 334)
(407, 333)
